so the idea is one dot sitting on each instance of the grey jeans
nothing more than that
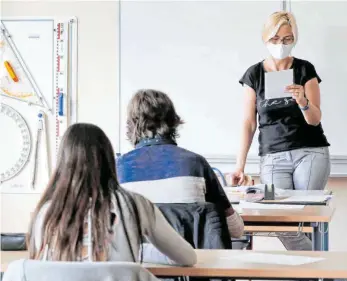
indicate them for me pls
(300, 169)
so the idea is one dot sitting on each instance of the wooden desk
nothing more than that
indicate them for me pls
(276, 229)
(9, 256)
(309, 214)
(220, 263)
(316, 215)
(318, 218)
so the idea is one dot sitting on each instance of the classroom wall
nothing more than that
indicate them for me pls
(97, 78)
(97, 92)
(97, 54)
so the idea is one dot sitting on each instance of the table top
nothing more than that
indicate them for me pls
(235, 195)
(307, 214)
(222, 263)
(219, 263)
(9, 256)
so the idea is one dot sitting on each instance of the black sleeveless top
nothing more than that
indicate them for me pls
(282, 126)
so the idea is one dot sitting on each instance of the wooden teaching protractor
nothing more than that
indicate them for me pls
(15, 143)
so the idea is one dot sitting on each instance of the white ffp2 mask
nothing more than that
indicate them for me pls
(279, 51)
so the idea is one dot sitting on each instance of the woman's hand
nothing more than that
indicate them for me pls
(298, 94)
(312, 92)
(238, 177)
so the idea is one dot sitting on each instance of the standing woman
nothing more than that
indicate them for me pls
(292, 145)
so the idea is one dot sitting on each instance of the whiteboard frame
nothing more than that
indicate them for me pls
(119, 96)
(225, 162)
(73, 83)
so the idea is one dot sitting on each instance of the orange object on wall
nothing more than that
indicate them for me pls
(11, 71)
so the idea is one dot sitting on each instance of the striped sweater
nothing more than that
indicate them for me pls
(165, 173)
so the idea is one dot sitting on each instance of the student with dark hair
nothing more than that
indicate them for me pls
(85, 215)
(162, 171)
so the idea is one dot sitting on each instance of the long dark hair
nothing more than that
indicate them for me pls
(84, 179)
(151, 113)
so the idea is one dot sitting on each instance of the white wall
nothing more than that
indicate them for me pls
(97, 78)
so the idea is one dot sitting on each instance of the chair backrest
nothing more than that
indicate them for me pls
(201, 224)
(76, 271)
(220, 176)
(13, 242)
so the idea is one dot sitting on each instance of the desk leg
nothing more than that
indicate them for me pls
(250, 243)
(320, 237)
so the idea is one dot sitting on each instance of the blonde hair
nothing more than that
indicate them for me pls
(275, 21)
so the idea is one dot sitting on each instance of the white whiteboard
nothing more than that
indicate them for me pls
(196, 51)
(43, 55)
(323, 41)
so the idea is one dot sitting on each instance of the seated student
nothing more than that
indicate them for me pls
(160, 170)
(85, 215)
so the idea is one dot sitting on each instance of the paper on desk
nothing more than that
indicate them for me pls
(259, 206)
(276, 82)
(307, 198)
(274, 259)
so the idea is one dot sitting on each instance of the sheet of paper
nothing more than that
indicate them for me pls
(259, 206)
(274, 259)
(276, 82)
(307, 198)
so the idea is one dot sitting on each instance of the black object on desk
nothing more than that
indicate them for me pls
(269, 192)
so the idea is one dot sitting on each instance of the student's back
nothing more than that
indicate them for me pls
(166, 173)
(85, 215)
(160, 170)
(152, 225)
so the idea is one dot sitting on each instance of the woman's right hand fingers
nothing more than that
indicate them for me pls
(241, 178)
(237, 178)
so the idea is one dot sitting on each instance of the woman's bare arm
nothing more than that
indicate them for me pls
(248, 129)
(313, 115)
